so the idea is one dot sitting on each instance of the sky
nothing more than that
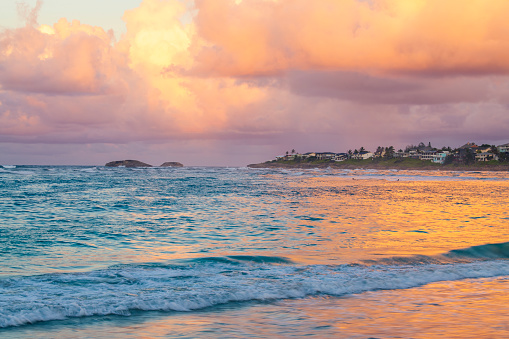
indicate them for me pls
(233, 82)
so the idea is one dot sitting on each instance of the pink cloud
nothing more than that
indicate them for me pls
(68, 59)
(260, 77)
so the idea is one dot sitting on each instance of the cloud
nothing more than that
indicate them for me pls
(260, 75)
(369, 89)
(29, 15)
(68, 59)
(381, 36)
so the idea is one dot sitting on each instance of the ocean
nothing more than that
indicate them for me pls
(209, 252)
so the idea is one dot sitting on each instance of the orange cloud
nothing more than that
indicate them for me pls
(431, 36)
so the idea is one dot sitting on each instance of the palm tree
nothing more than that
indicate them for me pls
(389, 152)
(362, 149)
(293, 151)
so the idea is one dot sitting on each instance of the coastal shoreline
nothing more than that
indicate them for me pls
(381, 166)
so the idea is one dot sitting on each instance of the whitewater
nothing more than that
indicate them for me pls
(98, 252)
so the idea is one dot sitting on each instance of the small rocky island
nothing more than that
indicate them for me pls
(127, 163)
(136, 163)
(172, 164)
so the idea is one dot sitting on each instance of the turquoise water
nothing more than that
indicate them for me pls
(234, 252)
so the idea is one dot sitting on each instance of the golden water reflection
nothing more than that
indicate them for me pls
(451, 309)
(367, 219)
(330, 220)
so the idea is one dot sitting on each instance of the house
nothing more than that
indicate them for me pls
(439, 157)
(401, 154)
(325, 155)
(469, 146)
(485, 156)
(466, 151)
(427, 155)
(411, 152)
(340, 157)
(484, 148)
(286, 157)
(414, 154)
(308, 155)
(362, 155)
(503, 148)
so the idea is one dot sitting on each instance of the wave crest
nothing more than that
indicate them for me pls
(206, 283)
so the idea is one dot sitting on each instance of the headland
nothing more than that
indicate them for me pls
(397, 164)
(469, 157)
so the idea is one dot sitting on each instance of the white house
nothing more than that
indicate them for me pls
(427, 155)
(362, 155)
(485, 156)
(308, 155)
(414, 154)
(340, 157)
(325, 155)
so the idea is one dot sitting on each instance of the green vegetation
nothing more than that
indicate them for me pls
(384, 163)
(468, 157)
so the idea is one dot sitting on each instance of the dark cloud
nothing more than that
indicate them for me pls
(369, 89)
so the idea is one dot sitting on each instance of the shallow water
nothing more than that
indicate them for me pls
(236, 252)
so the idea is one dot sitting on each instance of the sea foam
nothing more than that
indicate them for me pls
(205, 283)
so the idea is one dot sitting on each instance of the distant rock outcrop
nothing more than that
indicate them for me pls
(127, 163)
(172, 164)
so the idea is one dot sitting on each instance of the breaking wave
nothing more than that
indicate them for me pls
(206, 282)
